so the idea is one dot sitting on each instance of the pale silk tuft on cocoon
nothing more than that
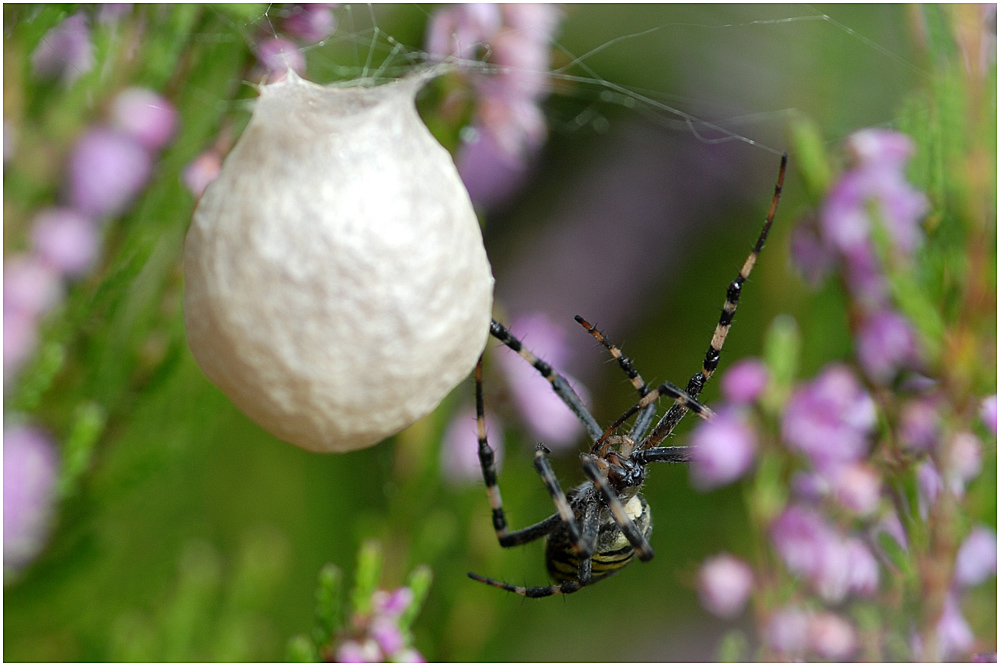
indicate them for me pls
(337, 287)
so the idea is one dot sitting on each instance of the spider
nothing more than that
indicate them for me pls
(601, 525)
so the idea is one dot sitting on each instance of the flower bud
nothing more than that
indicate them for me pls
(337, 287)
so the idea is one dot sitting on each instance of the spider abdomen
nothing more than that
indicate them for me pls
(613, 550)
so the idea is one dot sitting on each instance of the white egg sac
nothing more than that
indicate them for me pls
(337, 287)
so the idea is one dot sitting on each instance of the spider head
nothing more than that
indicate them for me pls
(623, 471)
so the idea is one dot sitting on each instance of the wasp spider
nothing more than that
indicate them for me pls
(604, 523)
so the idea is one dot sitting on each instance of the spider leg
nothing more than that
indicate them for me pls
(533, 592)
(558, 382)
(618, 513)
(677, 411)
(671, 454)
(488, 465)
(645, 417)
(565, 511)
(599, 448)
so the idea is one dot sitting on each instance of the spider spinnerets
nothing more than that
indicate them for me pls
(601, 525)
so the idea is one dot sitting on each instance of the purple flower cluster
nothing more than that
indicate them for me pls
(65, 52)
(871, 201)
(846, 456)
(108, 166)
(508, 124)
(30, 468)
(300, 24)
(724, 585)
(378, 637)
(795, 633)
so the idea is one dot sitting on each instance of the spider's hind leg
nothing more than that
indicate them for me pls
(532, 592)
(488, 464)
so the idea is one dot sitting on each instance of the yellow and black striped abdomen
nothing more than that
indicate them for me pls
(613, 553)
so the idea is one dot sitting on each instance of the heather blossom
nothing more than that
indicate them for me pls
(29, 480)
(722, 449)
(508, 127)
(830, 419)
(724, 585)
(977, 557)
(745, 381)
(66, 51)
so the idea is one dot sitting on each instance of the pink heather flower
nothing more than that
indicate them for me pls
(536, 21)
(955, 637)
(830, 419)
(29, 478)
(864, 278)
(65, 51)
(988, 413)
(201, 171)
(835, 566)
(387, 634)
(30, 285)
(146, 116)
(355, 652)
(745, 381)
(460, 448)
(874, 147)
(65, 240)
(724, 585)
(509, 125)
(929, 486)
(965, 460)
(811, 257)
(787, 631)
(832, 637)
(800, 536)
(545, 414)
(106, 170)
(409, 656)
(977, 557)
(516, 124)
(845, 217)
(722, 450)
(20, 337)
(886, 343)
(490, 174)
(810, 487)
(111, 12)
(862, 568)
(858, 487)
(920, 425)
(460, 30)
(310, 23)
(393, 603)
(277, 55)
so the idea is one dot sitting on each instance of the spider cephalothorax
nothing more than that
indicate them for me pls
(602, 524)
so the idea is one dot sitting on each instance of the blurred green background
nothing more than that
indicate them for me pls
(191, 534)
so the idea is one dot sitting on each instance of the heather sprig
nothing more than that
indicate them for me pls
(374, 626)
(864, 492)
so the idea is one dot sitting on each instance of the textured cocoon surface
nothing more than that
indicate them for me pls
(337, 287)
